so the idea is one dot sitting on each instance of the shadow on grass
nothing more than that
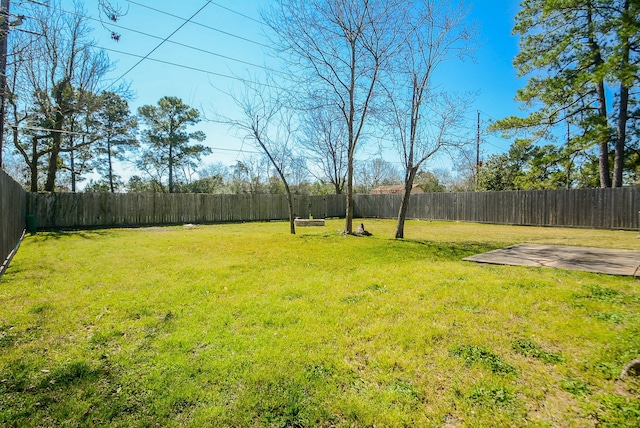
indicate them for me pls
(457, 250)
(60, 234)
(411, 249)
(431, 250)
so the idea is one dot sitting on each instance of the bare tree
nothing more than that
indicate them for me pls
(270, 127)
(424, 122)
(324, 139)
(374, 173)
(339, 49)
(55, 67)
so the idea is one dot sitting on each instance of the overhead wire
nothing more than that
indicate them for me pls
(162, 42)
(165, 40)
(198, 23)
(122, 27)
(86, 134)
(237, 13)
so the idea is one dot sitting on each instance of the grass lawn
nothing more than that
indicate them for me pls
(244, 325)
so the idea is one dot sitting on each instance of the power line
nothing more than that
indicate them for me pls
(162, 42)
(183, 44)
(199, 24)
(238, 13)
(188, 67)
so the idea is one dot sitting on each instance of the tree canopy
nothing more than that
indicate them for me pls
(581, 58)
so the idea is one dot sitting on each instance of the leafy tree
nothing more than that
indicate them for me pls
(429, 182)
(211, 184)
(577, 53)
(117, 129)
(137, 184)
(531, 167)
(167, 142)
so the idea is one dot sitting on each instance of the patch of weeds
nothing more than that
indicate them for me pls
(182, 405)
(7, 337)
(283, 405)
(403, 388)
(40, 308)
(612, 317)
(473, 354)
(617, 411)
(574, 386)
(102, 338)
(351, 299)
(15, 376)
(608, 295)
(319, 371)
(69, 374)
(377, 288)
(293, 296)
(474, 309)
(529, 348)
(531, 285)
(139, 313)
(490, 395)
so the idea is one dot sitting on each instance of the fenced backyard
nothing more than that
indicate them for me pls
(584, 208)
(314, 329)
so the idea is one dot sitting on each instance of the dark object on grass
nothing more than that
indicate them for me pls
(360, 231)
(631, 369)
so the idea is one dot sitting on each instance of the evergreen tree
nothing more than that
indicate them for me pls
(167, 143)
(577, 53)
(118, 128)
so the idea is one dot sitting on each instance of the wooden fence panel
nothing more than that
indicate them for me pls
(13, 212)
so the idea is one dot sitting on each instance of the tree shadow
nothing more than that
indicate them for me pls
(60, 234)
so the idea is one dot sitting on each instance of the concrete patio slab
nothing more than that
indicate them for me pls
(599, 260)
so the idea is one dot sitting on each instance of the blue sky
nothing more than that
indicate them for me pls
(230, 29)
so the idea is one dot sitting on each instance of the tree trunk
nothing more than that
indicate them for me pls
(348, 227)
(618, 163)
(603, 144)
(111, 187)
(33, 166)
(404, 205)
(52, 170)
(292, 221)
(56, 136)
(170, 168)
(72, 164)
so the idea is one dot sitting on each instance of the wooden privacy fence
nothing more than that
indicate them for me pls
(88, 210)
(13, 209)
(589, 208)
(616, 208)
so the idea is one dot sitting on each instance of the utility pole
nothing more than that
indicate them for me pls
(478, 150)
(4, 37)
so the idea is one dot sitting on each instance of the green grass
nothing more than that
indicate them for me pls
(244, 325)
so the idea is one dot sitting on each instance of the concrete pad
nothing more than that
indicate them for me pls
(599, 260)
